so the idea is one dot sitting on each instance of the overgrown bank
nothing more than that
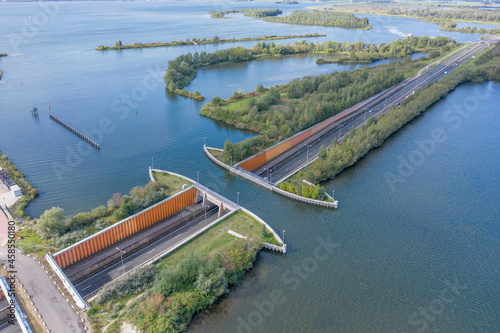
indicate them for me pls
(165, 297)
(199, 41)
(29, 192)
(182, 70)
(356, 144)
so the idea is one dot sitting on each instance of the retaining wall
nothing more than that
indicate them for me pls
(270, 187)
(106, 257)
(125, 228)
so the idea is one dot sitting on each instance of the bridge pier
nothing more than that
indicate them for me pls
(221, 210)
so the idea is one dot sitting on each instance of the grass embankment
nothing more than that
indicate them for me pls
(356, 144)
(200, 41)
(171, 184)
(29, 192)
(165, 296)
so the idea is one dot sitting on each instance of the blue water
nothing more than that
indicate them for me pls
(396, 247)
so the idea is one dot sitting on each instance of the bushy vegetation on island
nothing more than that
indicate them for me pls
(323, 18)
(182, 70)
(447, 18)
(252, 12)
(358, 142)
(164, 297)
(199, 41)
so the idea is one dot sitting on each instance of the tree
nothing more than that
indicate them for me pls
(228, 153)
(51, 223)
(119, 43)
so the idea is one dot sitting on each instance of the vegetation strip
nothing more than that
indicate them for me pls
(358, 143)
(164, 297)
(252, 12)
(446, 17)
(279, 112)
(29, 192)
(323, 18)
(182, 70)
(199, 41)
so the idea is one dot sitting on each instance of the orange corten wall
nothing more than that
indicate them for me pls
(267, 155)
(125, 228)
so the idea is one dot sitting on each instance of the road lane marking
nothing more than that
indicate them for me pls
(151, 251)
(178, 235)
(87, 287)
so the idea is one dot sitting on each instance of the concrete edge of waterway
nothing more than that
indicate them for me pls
(253, 178)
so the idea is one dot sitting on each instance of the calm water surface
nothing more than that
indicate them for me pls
(397, 248)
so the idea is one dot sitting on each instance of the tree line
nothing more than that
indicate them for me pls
(182, 70)
(55, 230)
(252, 12)
(323, 18)
(358, 142)
(301, 104)
(195, 41)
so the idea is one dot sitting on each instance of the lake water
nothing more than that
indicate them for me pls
(399, 245)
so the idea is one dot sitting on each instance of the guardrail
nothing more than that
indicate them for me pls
(18, 313)
(217, 196)
(67, 283)
(256, 179)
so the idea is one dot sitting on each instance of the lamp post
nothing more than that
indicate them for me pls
(340, 126)
(152, 163)
(121, 255)
(198, 176)
(204, 141)
(238, 198)
(283, 237)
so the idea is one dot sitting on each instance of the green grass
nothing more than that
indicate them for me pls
(217, 239)
(216, 153)
(237, 105)
(170, 183)
(31, 242)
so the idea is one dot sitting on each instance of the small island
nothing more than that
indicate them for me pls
(447, 18)
(199, 41)
(252, 12)
(323, 18)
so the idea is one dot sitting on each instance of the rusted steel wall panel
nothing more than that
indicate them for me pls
(271, 153)
(126, 228)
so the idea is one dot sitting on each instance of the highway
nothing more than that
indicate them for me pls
(289, 162)
(92, 284)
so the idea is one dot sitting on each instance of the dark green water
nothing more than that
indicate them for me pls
(415, 253)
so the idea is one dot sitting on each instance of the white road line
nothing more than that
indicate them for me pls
(151, 251)
(87, 287)
(178, 235)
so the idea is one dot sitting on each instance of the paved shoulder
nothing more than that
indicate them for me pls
(51, 304)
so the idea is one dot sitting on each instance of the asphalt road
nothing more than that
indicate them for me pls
(98, 280)
(294, 159)
(9, 328)
(51, 304)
